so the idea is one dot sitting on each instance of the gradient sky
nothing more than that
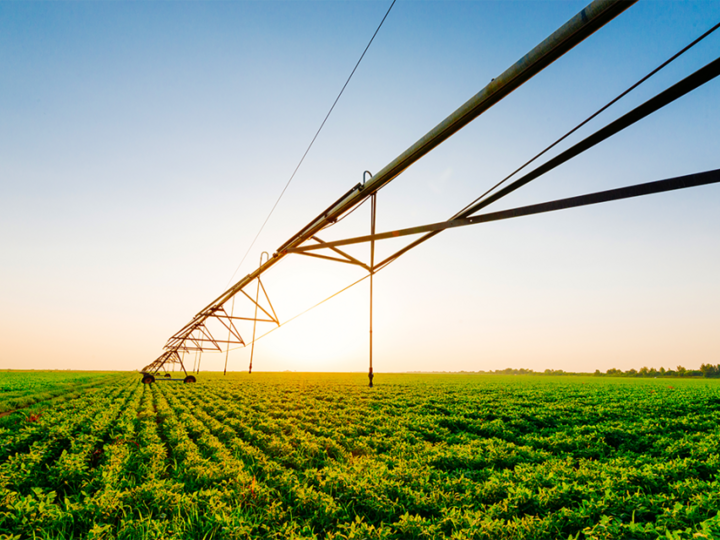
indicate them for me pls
(143, 143)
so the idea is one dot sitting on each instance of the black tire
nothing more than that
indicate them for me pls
(190, 378)
(148, 379)
(167, 375)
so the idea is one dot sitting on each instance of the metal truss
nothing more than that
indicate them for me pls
(197, 335)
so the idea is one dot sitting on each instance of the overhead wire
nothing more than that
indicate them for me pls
(311, 143)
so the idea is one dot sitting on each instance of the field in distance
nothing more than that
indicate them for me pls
(296, 455)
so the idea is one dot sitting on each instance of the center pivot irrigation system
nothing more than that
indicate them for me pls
(200, 333)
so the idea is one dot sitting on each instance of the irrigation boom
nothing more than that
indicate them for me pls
(197, 336)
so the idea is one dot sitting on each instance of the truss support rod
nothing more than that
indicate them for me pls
(638, 190)
(343, 254)
(373, 207)
(257, 299)
(334, 259)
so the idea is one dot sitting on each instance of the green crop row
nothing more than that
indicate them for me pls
(322, 456)
(21, 389)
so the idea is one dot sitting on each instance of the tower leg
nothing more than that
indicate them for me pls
(252, 345)
(372, 272)
(257, 297)
(230, 324)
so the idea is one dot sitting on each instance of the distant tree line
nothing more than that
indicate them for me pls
(710, 371)
(706, 370)
(680, 371)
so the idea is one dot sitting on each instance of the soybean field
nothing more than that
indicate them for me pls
(294, 455)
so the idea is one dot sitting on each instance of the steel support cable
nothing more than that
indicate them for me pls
(693, 81)
(311, 143)
(598, 112)
(678, 90)
(637, 190)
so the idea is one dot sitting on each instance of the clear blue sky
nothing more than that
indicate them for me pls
(143, 143)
